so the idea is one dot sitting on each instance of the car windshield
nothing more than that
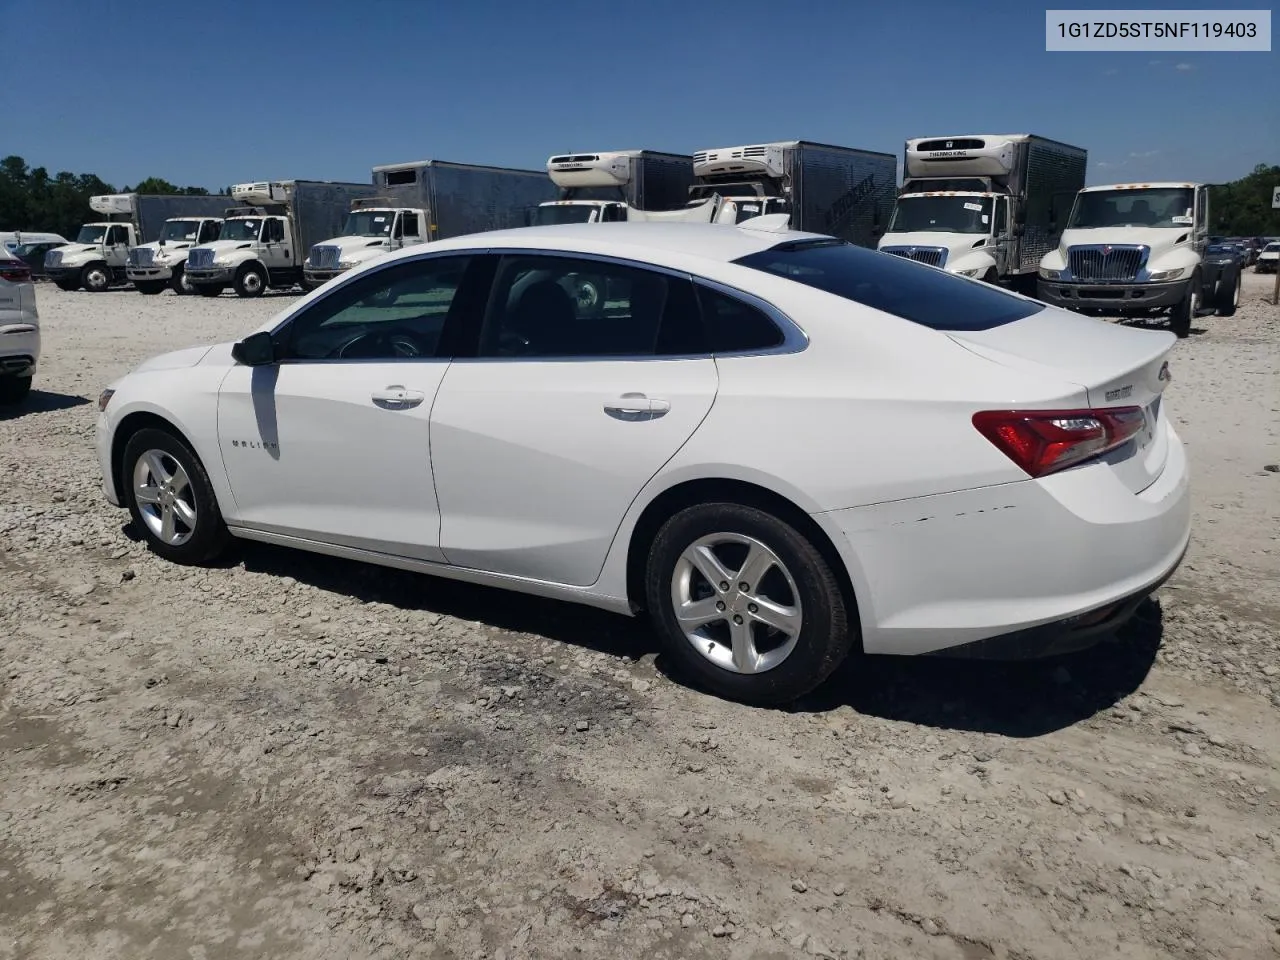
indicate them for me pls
(240, 229)
(894, 285)
(1152, 207)
(1271, 248)
(175, 230)
(941, 215)
(558, 213)
(91, 233)
(369, 223)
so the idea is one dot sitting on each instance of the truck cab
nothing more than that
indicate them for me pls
(1138, 249)
(594, 188)
(98, 257)
(162, 263)
(374, 226)
(967, 232)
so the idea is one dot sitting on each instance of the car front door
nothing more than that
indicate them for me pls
(542, 439)
(332, 442)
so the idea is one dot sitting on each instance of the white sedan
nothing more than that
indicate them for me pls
(781, 446)
(19, 329)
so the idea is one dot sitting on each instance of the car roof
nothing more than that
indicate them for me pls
(658, 242)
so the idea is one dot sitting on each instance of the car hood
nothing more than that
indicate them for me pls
(1159, 239)
(177, 359)
(225, 246)
(356, 244)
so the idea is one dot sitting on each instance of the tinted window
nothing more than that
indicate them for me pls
(895, 285)
(395, 313)
(410, 224)
(545, 306)
(733, 326)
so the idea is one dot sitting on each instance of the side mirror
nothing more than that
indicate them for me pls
(255, 350)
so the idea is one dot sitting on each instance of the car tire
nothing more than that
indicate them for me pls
(251, 281)
(149, 288)
(209, 290)
(179, 283)
(181, 520)
(1228, 295)
(1184, 312)
(14, 389)
(796, 571)
(96, 277)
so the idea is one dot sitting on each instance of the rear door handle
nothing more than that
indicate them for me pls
(636, 406)
(397, 398)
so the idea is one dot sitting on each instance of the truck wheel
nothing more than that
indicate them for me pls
(1181, 316)
(149, 288)
(250, 281)
(96, 277)
(1228, 295)
(179, 283)
(209, 290)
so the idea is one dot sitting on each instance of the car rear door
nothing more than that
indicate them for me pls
(582, 385)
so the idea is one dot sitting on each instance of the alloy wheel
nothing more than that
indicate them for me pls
(165, 498)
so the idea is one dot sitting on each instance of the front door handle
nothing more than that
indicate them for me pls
(636, 406)
(397, 398)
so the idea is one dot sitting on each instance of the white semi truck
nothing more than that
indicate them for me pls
(984, 205)
(263, 241)
(610, 186)
(423, 201)
(162, 263)
(838, 191)
(1138, 249)
(99, 256)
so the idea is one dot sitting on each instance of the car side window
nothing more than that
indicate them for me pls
(117, 236)
(397, 312)
(733, 326)
(551, 306)
(410, 222)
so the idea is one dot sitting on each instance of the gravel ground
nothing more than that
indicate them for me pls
(298, 757)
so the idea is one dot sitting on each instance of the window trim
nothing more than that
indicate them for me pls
(277, 331)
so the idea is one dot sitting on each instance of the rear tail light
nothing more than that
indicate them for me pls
(1044, 441)
(15, 272)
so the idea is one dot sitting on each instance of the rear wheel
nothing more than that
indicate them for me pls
(251, 281)
(1228, 298)
(746, 604)
(1181, 316)
(96, 277)
(14, 389)
(171, 499)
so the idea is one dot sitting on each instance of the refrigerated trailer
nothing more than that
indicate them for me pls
(423, 201)
(984, 205)
(838, 191)
(612, 185)
(99, 256)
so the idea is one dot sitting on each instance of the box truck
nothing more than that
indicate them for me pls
(607, 186)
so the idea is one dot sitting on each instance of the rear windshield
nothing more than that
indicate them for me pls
(895, 285)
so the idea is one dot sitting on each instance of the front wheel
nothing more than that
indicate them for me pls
(746, 604)
(96, 277)
(171, 499)
(179, 283)
(1181, 316)
(251, 281)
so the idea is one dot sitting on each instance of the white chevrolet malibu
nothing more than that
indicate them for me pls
(781, 446)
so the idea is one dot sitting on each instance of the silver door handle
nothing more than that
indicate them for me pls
(397, 398)
(636, 406)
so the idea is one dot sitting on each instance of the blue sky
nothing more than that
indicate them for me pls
(225, 91)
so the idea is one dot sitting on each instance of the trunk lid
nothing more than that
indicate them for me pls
(1117, 366)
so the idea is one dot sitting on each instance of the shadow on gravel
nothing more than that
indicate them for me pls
(41, 401)
(563, 622)
(1013, 699)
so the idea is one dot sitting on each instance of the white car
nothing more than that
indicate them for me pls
(782, 446)
(19, 329)
(1268, 258)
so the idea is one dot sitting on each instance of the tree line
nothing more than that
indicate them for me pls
(31, 199)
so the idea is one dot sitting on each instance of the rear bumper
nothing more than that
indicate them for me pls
(1112, 297)
(19, 349)
(1021, 568)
